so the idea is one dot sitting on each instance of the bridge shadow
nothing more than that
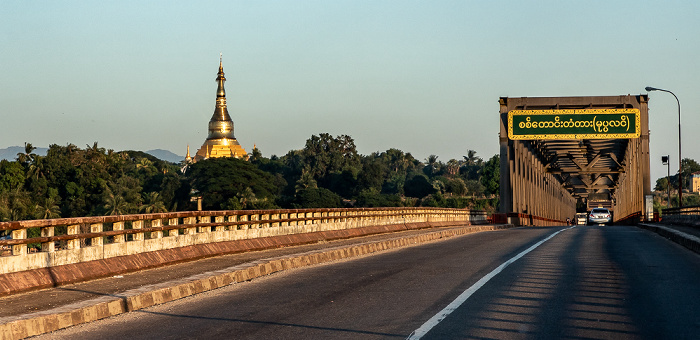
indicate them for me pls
(546, 297)
(273, 323)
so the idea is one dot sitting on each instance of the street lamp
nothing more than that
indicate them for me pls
(680, 167)
(665, 160)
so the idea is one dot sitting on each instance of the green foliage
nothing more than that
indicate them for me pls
(219, 179)
(327, 172)
(492, 175)
(373, 198)
(418, 187)
(661, 184)
(317, 198)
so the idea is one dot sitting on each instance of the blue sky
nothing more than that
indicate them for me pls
(420, 76)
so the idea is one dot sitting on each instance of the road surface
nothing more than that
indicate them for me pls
(584, 282)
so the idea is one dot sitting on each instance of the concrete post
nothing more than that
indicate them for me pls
(156, 223)
(204, 219)
(48, 246)
(172, 222)
(137, 225)
(118, 226)
(73, 230)
(190, 230)
(19, 249)
(219, 219)
(96, 241)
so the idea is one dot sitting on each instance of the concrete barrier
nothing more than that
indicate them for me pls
(149, 242)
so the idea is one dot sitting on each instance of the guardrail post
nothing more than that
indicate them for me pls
(219, 219)
(47, 246)
(19, 249)
(73, 230)
(96, 228)
(254, 217)
(171, 222)
(243, 218)
(204, 219)
(118, 226)
(231, 218)
(190, 230)
(137, 225)
(159, 233)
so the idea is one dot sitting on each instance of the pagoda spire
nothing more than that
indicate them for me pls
(221, 124)
(220, 140)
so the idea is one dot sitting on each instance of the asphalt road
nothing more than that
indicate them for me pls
(586, 282)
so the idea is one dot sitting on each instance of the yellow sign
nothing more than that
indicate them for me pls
(574, 124)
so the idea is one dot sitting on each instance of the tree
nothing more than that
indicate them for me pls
(689, 166)
(26, 157)
(418, 187)
(50, 207)
(325, 155)
(491, 176)
(255, 156)
(153, 203)
(452, 167)
(115, 204)
(317, 198)
(219, 179)
(432, 165)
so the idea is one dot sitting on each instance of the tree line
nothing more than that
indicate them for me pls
(688, 167)
(327, 173)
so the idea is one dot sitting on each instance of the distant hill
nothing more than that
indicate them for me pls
(10, 153)
(165, 155)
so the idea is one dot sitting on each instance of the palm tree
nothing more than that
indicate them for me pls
(306, 181)
(452, 167)
(432, 163)
(246, 197)
(49, 209)
(115, 204)
(471, 158)
(154, 203)
(28, 155)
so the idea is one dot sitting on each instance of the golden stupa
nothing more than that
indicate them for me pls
(220, 142)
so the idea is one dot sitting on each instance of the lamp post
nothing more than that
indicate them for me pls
(665, 160)
(680, 165)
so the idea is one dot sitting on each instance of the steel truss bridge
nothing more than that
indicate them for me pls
(548, 174)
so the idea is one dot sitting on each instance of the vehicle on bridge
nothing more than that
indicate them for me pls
(581, 218)
(600, 216)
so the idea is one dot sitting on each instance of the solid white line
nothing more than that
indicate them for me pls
(428, 325)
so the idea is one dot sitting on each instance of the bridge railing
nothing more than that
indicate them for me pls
(73, 240)
(686, 215)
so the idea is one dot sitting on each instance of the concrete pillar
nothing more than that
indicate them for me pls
(156, 223)
(19, 249)
(137, 225)
(47, 246)
(243, 218)
(218, 220)
(172, 222)
(190, 230)
(73, 230)
(118, 226)
(204, 219)
(96, 241)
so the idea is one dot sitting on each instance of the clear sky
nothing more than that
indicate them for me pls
(420, 76)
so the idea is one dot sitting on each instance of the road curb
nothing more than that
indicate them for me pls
(689, 241)
(27, 325)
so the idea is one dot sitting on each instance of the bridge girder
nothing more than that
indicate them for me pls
(562, 172)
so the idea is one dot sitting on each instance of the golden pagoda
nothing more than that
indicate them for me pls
(220, 142)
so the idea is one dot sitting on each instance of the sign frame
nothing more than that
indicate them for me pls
(585, 119)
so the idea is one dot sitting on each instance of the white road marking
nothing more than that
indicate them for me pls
(428, 325)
